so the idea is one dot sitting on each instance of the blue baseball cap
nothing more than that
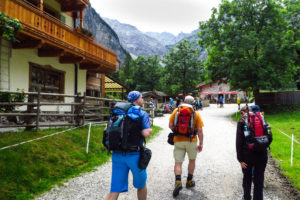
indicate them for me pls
(133, 96)
(255, 108)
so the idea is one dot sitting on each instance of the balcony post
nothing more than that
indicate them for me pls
(102, 85)
(81, 18)
(41, 5)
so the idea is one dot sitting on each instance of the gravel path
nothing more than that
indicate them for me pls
(218, 174)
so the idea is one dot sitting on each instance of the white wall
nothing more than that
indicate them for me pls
(19, 74)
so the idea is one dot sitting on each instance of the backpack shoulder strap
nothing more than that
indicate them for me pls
(176, 117)
(192, 122)
(253, 124)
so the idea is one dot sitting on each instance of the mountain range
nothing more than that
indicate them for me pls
(168, 38)
(103, 33)
(135, 41)
(126, 39)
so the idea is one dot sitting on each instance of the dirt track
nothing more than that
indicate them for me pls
(218, 174)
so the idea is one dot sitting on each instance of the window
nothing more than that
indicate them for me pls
(48, 79)
(93, 93)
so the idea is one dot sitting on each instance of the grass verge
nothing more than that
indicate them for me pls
(32, 168)
(289, 123)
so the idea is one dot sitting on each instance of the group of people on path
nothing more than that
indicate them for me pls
(186, 124)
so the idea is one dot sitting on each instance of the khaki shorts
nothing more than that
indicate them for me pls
(180, 148)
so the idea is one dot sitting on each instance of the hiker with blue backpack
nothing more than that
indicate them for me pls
(253, 137)
(125, 135)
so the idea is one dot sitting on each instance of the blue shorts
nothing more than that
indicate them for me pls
(121, 163)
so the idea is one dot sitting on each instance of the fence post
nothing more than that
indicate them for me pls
(101, 110)
(29, 119)
(77, 110)
(38, 110)
(72, 112)
(292, 149)
(83, 108)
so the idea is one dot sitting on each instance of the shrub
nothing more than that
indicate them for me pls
(7, 97)
(9, 27)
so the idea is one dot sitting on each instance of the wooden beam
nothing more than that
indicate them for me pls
(27, 44)
(72, 7)
(70, 59)
(100, 70)
(89, 66)
(95, 68)
(43, 52)
(103, 85)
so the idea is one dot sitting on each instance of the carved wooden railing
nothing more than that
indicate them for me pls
(43, 25)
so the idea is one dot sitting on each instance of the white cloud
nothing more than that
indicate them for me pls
(157, 15)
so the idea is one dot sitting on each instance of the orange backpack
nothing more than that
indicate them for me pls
(184, 121)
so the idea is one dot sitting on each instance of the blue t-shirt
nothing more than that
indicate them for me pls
(145, 120)
(172, 102)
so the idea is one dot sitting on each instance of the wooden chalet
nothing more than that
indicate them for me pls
(212, 91)
(99, 84)
(157, 96)
(53, 53)
(114, 86)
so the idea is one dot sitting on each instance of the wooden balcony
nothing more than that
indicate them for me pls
(72, 5)
(55, 39)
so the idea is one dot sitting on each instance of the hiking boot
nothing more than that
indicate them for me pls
(190, 184)
(178, 187)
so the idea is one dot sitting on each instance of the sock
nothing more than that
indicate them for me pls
(178, 177)
(190, 177)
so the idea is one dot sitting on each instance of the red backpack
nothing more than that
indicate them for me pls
(260, 135)
(184, 121)
(256, 124)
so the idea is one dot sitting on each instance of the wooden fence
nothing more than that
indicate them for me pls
(83, 109)
(289, 97)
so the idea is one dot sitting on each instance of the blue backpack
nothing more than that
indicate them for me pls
(123, 131)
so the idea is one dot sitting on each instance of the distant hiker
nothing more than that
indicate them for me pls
(177, 102)
(186, 125)
(238, 101)
(171, 102)
(250, 153)
(126, 155)
(199, 104)
(153, 103)
(221, 101)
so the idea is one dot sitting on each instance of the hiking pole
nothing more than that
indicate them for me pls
(248, 116)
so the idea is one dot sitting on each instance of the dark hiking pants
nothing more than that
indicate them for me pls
(258, 162)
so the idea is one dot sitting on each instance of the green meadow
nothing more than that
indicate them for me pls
(35, 167)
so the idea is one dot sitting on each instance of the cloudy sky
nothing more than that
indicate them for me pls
(172, 16)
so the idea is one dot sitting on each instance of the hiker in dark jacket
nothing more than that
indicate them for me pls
(250, 160)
